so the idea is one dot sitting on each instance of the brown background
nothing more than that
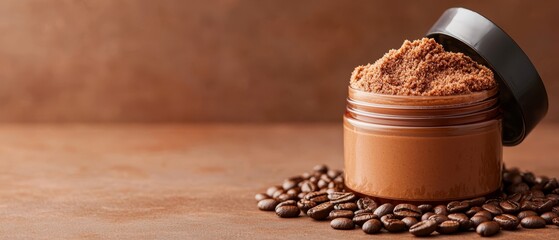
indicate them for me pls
(229, 60)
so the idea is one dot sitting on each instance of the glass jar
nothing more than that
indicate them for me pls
(423, 148)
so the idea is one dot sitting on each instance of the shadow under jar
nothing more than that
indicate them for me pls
(423, 148)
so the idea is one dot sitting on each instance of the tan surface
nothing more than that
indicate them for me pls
(221, 60)
(181, 181)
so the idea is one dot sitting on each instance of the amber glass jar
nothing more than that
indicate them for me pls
(417, 148)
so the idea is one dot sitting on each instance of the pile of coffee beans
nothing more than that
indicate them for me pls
(525, 200)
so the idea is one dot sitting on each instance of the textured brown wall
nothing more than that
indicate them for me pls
(229, 60)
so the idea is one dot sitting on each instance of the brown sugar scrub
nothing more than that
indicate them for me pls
(423, 68)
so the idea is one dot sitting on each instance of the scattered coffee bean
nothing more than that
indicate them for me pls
(363, 211)
(448, 227)
(509, 206)
(440, 209)
(493, 209)
(305, 205)
(288, 211)
(456, 206)
(277, 193)
(271, 190)
(549, 216)
(507, 221)
(477, 202)
(309, 186)
(321, 211)
(532, 222)
(520, 187)
(487, 229)
(484, 213)
(394, 225)
(286, 203)
(340, 214)
(439, 218)
(515, 197)
(423, 228)
(289, 184)
(361, 218)
(555, 221)
(346, 206)
(526, 213)
(342, 224)
(317, 197)
(267, 204)
(321, 168)
(461, 218)
(427, 215)
(425, 207)
(372, 226)
(366, 203)
(477, 219)
(472, 211)
(261, 196)
(384, 209)
(341, 197)
(409, 221)
(407, 210)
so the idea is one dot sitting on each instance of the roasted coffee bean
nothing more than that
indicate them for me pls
(518, 188)
(492, 201)
(268, 204)
(507, 221)
(494, 210)
(336, 186)
(448, 227)
(361, 218)
(552, 196)
(512, 177)
(477, 202)
(287, 203)
(346, 206)
(261, 196)
(509, 206)
(321, 211)
(333, 173)
(372, 226)
(515, 197)
(551, 185)
(476, 220)
(387, 216)
(322, 183)
(301, 195)
(318, 197)
(526, 213)
(472, 211)
(341, 198)
(537, 194)
(278, 193)
(363, 211)
(425, 208)
(456, 206)
(528, 178)
(426, 215)
(340, 214)
(484, 213)
(555, 221)
(461, 218)
(320, 168)
(545, 205)
(407, 210)
(288, 211)
(440, 209)
(271, 190)
(409, 221)
(289, 184)
(528, 205)
(532, 222)
(555, 209)
(394, 225)
(384, 209)
(423, 228)
(294, 191)
(439, 218)
(309, 186)
(549, 216)
(487, 229)
(284, 197)
(366, 203)
(305, 205)
(342, 224)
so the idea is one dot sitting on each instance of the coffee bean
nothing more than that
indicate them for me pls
(363, 211)
(552, 196)
(494, 210)
(532, 222)
(456, 206)
(361, 218)
(340, 214)
(555, 209)
(342, 224)
(537, 194)
(318, 197)
(321, 211)
(321, 168)
(425, 207)
(551, 185)
(407, 210)
(294, 191)
(518, 188)
(387, 216)
(461, 218)
(335, 186)
(366, 203)
(555, 221)
(286, 203)
(277, 193)
(484, 213)
(492, 201)
(394, 225)
(305, 205)
(309, 186)
(423, 228)
(321, 184)
(341, 198)
(507, 221)
(271, 190)
(528, 178)
(476, 220)
(261, 196)
(440, 209)
(515, 197)
(346, 206)
(487, 229)
(372, 226)
(333, 173)
(301, 195)
(526, 213)
(528, 205)
(549, 216)
(477, 202)
(439, 218)
(384, 209)
(288, 211)
(289, 184)
(472, 211)
(427, 215)
(448, 227)
(268, 204)
(545, 205)
(409, 221)
(509, 206)
(284, 197)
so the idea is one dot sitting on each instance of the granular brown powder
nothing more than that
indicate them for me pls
(423, 68)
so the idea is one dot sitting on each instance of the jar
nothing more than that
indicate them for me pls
(416, 148)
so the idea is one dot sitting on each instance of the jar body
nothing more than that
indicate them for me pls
(423, 161)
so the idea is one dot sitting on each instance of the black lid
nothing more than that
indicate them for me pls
(522, 93)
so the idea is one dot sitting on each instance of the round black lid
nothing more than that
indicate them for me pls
(521, 91)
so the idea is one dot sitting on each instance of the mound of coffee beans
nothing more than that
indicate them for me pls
(524, 201)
